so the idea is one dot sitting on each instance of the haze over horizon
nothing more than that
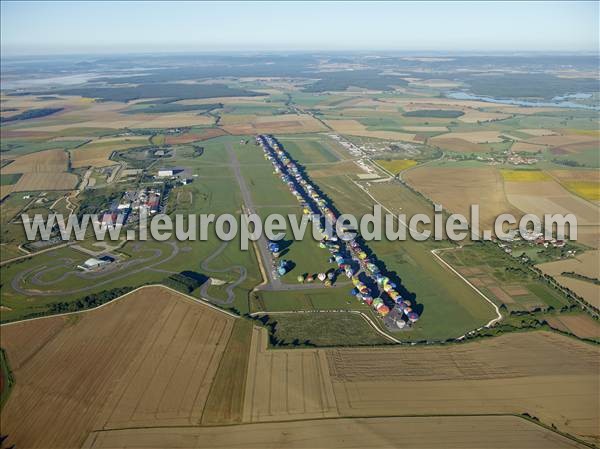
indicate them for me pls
(38, 28)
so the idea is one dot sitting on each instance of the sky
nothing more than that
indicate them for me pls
(35, 28)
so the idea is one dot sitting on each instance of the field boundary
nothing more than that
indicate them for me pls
(198, 300)
(8, 379)
(529, 419)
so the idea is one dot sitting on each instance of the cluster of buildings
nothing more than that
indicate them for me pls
(533, 239)
(371, 285)
(349, 146)
(146, 200)
(516, 159)
(134, 202)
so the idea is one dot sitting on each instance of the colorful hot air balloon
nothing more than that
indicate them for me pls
(412, 316)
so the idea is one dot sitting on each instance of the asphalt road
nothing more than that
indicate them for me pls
(229, 288)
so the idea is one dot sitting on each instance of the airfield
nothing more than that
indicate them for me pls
(200, 344)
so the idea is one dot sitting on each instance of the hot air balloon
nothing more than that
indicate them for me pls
(412, 316)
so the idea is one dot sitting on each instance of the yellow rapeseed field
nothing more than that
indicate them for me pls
(590, 190)
(524, 175)
(397, 165)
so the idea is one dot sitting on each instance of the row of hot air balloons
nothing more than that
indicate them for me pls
(313, 203)
(326, 278)
(371, 269)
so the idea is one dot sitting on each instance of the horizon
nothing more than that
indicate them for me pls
(48, 28)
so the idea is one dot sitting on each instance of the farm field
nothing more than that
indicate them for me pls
(456, 188)
(502, 432)
(48, 161)
(97, 152)
(540, 372)
(153, 354)
(541, 197)
(473, 137)
(448, 143)
(355, 128)
(500, 277)
(395, 166)
(584, 183)
(581, 325)
(204, 134)
(278, 124)
(513, 372)
(323, 329)
(45, 181)
(308, 149)
(586, 265)
(108, 116)
(286, 385)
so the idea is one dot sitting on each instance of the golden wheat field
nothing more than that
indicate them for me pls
(355, 128)
(45, 181)
(282, 124)
(472, 432)
(97, 153)
(158, 370)
(42, 161)
(148, 359)
(456, 188)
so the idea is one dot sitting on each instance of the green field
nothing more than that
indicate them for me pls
(322, 329)
(7, 180)
(505, 271)
(308, 150)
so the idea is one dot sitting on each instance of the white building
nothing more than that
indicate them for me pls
(165, 173)
(93, 263)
